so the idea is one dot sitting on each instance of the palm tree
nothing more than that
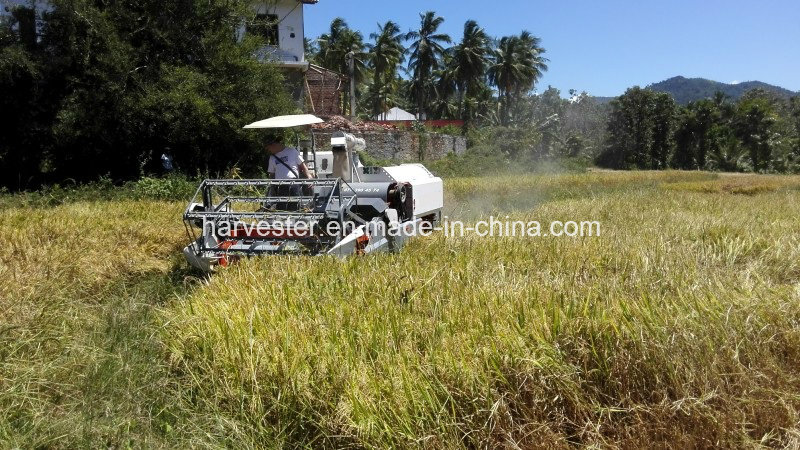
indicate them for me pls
(334, 47)
(470, 59)
(506, 71)
(336, 44)
(426, 54)
(385, 55)
(535, 63)
(381, 98)
(327, 43)
(445, 89)
(516, 67)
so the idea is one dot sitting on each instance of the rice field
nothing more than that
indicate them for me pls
(679, 326)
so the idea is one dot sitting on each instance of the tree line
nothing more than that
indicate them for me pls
(445, 78)
(94, 89)
(647, 130)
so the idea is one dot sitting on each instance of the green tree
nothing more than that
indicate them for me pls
(725, 152)
(696, 140)
(516, 66)
(794, 108)
(385, 54)
(444, 103)
(753, 126)
(468, 64)
(584, 116)
(334, 46)
(426, 57)
(639, 130)
(125, 81)
(664, 112)
(24, 114)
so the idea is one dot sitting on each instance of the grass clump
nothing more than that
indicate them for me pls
(81, 364)
(737, 184)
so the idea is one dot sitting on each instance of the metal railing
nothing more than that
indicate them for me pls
(246, 202)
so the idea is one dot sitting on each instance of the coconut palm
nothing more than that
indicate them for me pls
(381, 98)
(516, 67)
(445, 89)
(336, 44)
(469, 61)
(385, 55)
(535, 63)
(426, 55)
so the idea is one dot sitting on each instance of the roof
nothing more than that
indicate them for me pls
(296, 120)
(396, 114)
(314, 69)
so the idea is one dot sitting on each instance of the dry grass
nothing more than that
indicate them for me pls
(678, 327)
(78, 284)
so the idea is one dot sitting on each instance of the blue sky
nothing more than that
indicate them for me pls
(604, 47)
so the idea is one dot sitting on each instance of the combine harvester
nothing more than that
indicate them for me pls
(346, 209)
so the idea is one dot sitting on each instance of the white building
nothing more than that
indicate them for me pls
(395, 114)
(280, 23)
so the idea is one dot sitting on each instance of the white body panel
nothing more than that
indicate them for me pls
(428, 189)
(323, 164)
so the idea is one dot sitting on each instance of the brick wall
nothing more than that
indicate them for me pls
(402, 145)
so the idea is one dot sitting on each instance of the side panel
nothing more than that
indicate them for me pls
(428, 189)
(428, 197)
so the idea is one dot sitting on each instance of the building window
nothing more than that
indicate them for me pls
(266, 26)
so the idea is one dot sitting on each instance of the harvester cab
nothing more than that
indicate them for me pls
(345, 209)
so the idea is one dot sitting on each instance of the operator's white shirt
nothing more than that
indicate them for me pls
(291, 157)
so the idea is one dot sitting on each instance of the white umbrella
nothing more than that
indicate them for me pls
(296, 120)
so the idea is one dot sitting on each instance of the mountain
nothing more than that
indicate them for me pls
(685, 90)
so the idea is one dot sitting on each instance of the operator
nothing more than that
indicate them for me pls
(285, 162)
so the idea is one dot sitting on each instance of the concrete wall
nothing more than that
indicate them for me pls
(402, 145)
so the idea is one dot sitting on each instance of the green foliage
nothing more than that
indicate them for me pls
(647, 130)
(445, 82)
(174, 188)
(468, 63)
(426, 54)
(639, 130)
(754, 120)
(385, 56)
(169, 188)
(506, 150)
(334, 46)
(795, 124)
(105, 88)
(517, 65)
